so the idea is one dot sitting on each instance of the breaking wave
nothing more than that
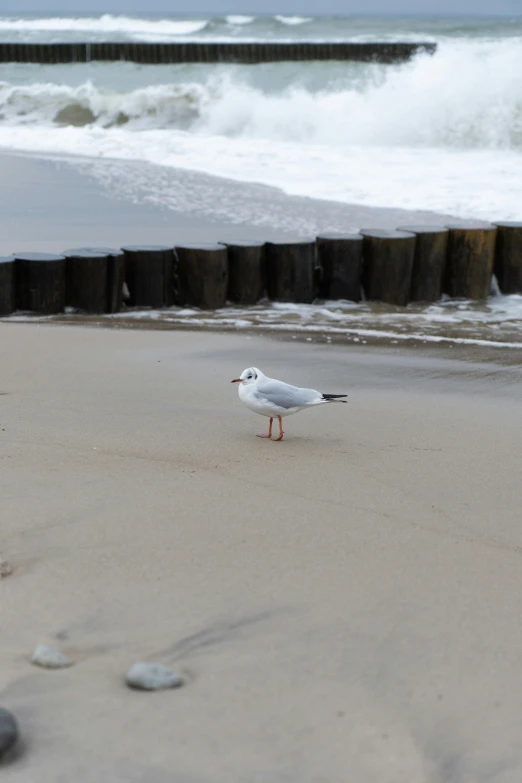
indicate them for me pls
(466, 96)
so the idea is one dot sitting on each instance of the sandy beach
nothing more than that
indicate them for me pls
(345, 605)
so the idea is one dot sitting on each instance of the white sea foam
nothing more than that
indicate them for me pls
(237, 19)
(293, 20)
(494, 324)
(466, 96)
(107, 23)
(440, 133)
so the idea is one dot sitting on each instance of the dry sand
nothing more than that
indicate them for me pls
(346, 604)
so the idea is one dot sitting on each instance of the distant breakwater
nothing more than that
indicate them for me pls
(211, 52)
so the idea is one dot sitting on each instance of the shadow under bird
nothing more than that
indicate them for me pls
(276, 399)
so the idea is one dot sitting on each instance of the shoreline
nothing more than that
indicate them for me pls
(481, 351)
(51, 203)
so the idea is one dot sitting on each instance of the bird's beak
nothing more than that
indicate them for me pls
(236, 380)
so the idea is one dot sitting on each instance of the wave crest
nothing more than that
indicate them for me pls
(107, 23)
(293, 20)
(463, 97)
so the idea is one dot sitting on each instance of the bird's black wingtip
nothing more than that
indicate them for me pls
(334, 397)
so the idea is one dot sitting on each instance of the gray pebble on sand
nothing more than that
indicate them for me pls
(152, 677)
(50, 658)
(8, 731)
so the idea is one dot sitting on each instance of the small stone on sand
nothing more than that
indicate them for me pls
(50, 658)
(5, 569)
(8, 731)
(152, 677)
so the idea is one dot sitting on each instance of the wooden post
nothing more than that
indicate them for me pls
(388, 263)
(508, 257)
(150, 275)
(115, 279)
(470, 261)
(290, 270)
(429, 262)
(86, 280)
(340, 260)
(94, 278)
(40, 282)
(7, 285)
(246, 271)
(202, 275)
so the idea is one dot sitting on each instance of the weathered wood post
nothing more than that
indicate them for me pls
(40, 282)
(115, 279)
(246, 271)
(150, 275)
(508, 257)
(86, 280)
(340, 260)
(7, 285)
(290, 269)
(388, 264)
(429, 262)
(470, 260)
(94, 278)
(202, 275)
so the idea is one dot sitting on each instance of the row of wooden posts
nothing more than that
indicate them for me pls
(209, 51)
(410, 264)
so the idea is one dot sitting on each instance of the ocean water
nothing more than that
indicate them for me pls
(442, 132)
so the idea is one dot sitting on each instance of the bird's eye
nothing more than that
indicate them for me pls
(249, 377)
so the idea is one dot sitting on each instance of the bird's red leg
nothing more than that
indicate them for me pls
(269, 431)
(281, 433)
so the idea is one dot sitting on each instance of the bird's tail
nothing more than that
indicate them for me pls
(334, 397)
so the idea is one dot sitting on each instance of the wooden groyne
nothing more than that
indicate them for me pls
(211, 52)
(411, 264)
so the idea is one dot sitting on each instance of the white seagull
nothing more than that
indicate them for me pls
(272, 398)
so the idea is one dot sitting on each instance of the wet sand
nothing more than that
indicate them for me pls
(51, 205)
(345, 604)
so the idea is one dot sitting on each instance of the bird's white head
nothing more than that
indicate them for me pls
(250, 375)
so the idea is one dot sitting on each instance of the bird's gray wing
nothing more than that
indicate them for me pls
(285, 396)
